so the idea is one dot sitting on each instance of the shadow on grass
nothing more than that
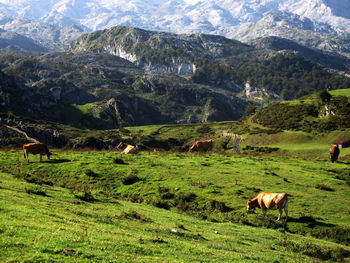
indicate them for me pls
(57, 161)
(344, 162)
(312, 222)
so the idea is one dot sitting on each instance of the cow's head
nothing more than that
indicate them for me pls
(121, 146)
(250, 205)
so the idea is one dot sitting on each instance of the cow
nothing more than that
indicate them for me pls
(334, 152)
(130, 149)
(36, 148)
(335, 148)
(201, 146)
(266, 200)
(121, 146)
(126, 148)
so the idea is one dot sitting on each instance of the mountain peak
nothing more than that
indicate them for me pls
(240, 19)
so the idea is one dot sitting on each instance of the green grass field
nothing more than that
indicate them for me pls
(170, 207)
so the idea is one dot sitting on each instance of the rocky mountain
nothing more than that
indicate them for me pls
(37, 36)
(159, 51)
(180, 54)
(14, 41)
(127, 76)
(103, 91)
(316, 23)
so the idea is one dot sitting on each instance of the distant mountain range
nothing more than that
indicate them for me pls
(324, 24)
(106, 64)
(129, 76)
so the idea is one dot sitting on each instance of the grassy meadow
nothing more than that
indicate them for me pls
(99, 206)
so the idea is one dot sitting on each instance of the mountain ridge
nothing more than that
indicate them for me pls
(244, 20)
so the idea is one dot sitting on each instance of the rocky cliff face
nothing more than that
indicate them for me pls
(158, 51)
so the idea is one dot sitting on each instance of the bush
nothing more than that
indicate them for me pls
(324, 96)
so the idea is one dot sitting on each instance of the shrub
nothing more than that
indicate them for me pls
(324, 96)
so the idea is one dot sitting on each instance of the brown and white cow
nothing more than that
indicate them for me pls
(335, 148)
(121, 146)
(130, 149)
(126, 148)
(267, 200)
(36, 148)
(201, 146)
(334, 152)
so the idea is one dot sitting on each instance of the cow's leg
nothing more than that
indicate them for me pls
(26, 156)
(286, 210)
(279, 214)
(40, 157)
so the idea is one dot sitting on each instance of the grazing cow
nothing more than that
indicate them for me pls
(265, 200)
(36, 148)
(201, 146)
(121, 146)
(334, 152)
(130, 149)
(126, 148)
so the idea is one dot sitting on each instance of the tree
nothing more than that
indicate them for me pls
(324, 96)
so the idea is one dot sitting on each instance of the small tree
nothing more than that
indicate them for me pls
(324, 96)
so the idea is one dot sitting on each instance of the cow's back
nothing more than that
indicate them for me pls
(130, 149)
(201, 145)
(272, 200)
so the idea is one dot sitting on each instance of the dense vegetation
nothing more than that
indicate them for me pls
(321, 112)
(287, 76)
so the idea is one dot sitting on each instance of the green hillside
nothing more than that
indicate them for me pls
(320, 112)
(203, 199)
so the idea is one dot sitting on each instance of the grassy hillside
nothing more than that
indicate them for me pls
(320, 112)
(202, 196)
